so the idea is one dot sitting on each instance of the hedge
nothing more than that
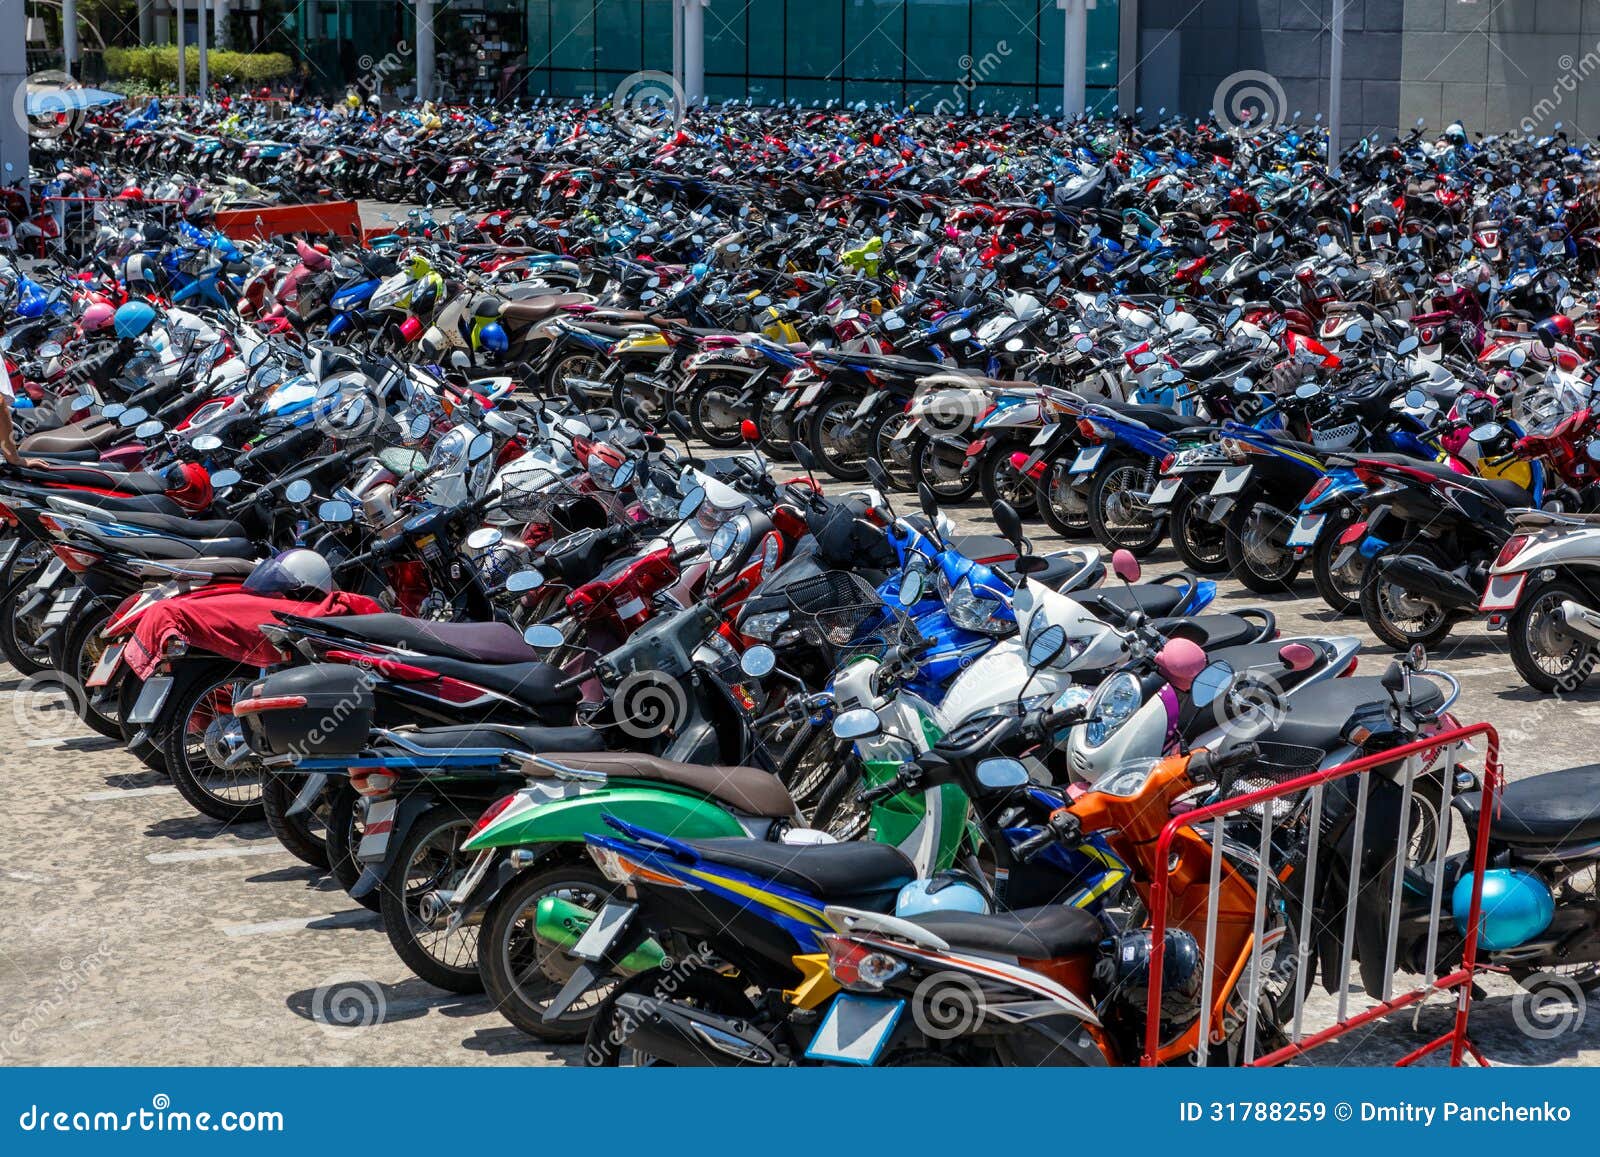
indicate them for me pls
(160, 63)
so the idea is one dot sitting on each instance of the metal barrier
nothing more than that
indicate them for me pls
(81, 231)
(1214, 1005)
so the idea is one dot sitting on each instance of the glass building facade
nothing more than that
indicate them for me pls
(957, 53)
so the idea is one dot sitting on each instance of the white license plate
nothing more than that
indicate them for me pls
(600, 935)
(855, 1029)
(1306, 529)
(783, 403)
(376, 829)
(1231, 480)
(1165, 490)
(1502, 591)
(809, 394)
(101, 675)
(906, 430)
(1087, 459)
(1042, 436)
(866, 405)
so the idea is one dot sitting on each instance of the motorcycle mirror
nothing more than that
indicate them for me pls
(1417, 656)
(207, 443)
(680, 425)
(1008, 521)
(525, 580)
(1306, 392)
(81, 403)
(802, 454)
(857, 724)
(960, 334)
(478, 449)
(1408, 345)
(1416, 399)
(131, 418)
(1487, 432)
(1394, 678)
(147, 430)
(1001, 773)
(758, 661)
(1172, 377)
(1144, 358)
(1593, 450)
(1211, 683)
(1084, 344)
(257, 355)
(543, 636)
(1517, 358)
(1296, 656)
(689, 505)
(336, 511)
(297, 491)
(912, 587)
(1046, 646)
(1169, 307)
(484, 537)
(928, 501)
(1015, 345)
(50, 349)
(1354, 332)
(417, 428)
(624, 475)
(223, 479)
(1125, 566)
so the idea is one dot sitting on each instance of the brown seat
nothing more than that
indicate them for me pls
(84, 436)
(746, 789)
(526, 311)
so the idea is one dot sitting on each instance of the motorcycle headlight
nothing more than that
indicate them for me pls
(770, 546)
(602, 471)
(731, 539)
(765, 627)
(1112, 706)
(974, 612)
(658, 504)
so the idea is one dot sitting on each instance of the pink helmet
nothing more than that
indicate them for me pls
(97, 317)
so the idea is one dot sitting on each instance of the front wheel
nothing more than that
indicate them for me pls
(1549, 655)
(1121, 520)
(429, 862)
(1202, 545)
(1400, 618)
(892, 452)
(1338, 569)
(1257, 540)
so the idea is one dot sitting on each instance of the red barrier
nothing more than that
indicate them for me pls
(339, 217)
(1460, 979)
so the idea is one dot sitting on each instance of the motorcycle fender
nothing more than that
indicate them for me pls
(152, 697)
(569, 820)
(405, 815)
(1036, 1028)
(308, 793)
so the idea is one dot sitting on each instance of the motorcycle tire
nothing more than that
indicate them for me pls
(297, 833)
(1250, 568)
(1063, 509)
(844, 461)
(1202, 545)
(1112, 478)
(188, 763)
(1530, 632)
(450, 963)
(717, 428)
(1341, 589)
(999, 480)
(699, 987)
(23, 653)
(76, 651)
(955, 488)
(343, 838)
(1378, 608)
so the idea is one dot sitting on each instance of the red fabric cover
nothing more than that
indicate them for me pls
(226, 621)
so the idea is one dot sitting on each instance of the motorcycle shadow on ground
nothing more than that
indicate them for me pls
(198, 827)
(508, 1041)
(381, 1003)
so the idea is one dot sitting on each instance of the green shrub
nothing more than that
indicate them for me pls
(159, 63)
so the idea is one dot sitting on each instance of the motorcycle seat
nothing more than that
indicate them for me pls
(185, 527)
(745, 789)
(527, 311)
(121, 503)
(1154, 599)
(529, 738)
(1507, 493)
(176, 546)
(1058, 569)
(469, 642)
(1560, 807)
(1261, 658)
(1210, 631)
(826, 871)
(85, 436)
(133, 482)
(1317, 719)
(531, 684)
(983, 546)
(606, 329)
(1047, 933)
(1159, 419)
(238, 568)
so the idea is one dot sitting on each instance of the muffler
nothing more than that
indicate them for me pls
(691, 1037)
(1418, 576)
(1581, 619)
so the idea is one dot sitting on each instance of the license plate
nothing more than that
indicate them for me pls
(1231, 480)
(375, 830)
(1087, 459)
(151, 696)
(62, 608)
(101, 675)
(600, 935)
(855, 1029)
(809, 394)
(1165, 491)
(1502, 591)
(783, 403)
(1306, 529)
(866, 405)
(1042, 436)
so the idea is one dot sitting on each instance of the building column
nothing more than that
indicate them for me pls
(183, 72)
(694, 51)
(1075, 55)
(69, 37)
(425, 55)
(1335, 87)
(204, 84)
(221, 38)
(13, 75)
(147, 22)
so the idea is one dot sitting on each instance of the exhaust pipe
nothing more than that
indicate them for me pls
(1581, 619)
(692, 1037)
(1418, 576)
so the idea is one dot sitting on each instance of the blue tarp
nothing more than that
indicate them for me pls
(45, 101)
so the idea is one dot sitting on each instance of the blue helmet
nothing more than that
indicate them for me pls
(493, 337)
(1517, 906)
(943, 893)
(134, 319)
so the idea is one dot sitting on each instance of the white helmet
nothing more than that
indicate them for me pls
(293, 574)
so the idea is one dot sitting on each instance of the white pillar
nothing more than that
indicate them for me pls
(69, 37)
(147, 22)
(222, 24)
(1335, 85)
(1075, 55)
(183, 72)
(13, 75)
(205, 71)
(694, 51)
(677, 43)
(425, 64)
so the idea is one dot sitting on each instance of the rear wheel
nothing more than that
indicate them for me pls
(1339, 585)
(431, 861)
(838, 442)
(300, 834)
(345, 828)
(1202, 545)
(1061, 504)
(894, 454)
(1257, 540)
(19, 633)
(714, 410)
(79, 653)
(1000, 481)
(202, 743)
(777, 431)
(1398, 617)
(940, 469)
(1119, 520)
(1549, 655)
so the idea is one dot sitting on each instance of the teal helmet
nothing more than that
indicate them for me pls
(134, 319)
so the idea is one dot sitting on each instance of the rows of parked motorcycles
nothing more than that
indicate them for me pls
(491, 563)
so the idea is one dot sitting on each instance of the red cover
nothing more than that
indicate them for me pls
(226, 621)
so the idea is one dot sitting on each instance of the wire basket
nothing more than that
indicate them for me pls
(848, 618)
(1279, 763)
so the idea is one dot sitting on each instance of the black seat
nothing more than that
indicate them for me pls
(469, 642)
(132, 482)
(1154, 599)
(1507, 493)
(832, 872)
(1259, 657)
(982, 547)
(1210, 632)
(531, 684)
(122, 503)
(747, 789)
(1031, 933)
(1317, 718)
(1160, 419)
(1058, 569)
(531, 739)
(177, 525)
(1560, 807)
(172, 546)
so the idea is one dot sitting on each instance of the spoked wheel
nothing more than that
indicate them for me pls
(777, 431)
(1549, 655)
(81, 648)
(837, 440)
(807, 771)
(417, 923)
(344, 832)
(1202, 545)
(941, 469)
(523, 972)
(1000, 481)
(653, 400)
(19, 634)
(1118, 518)
(207, 757)
(716, 413)
(1397, 616)
(587, 366)
(1061, 504)
(1339, 570)
(895, 454)
(1259, 554)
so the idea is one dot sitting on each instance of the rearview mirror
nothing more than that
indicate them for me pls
(525, 580)
(758, 661)
(1046, 646)
(336, 511)
(297, 491)
(857, 724)
(1001, 773)
(543, 636)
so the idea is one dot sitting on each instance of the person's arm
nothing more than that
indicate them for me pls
(8, 441)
